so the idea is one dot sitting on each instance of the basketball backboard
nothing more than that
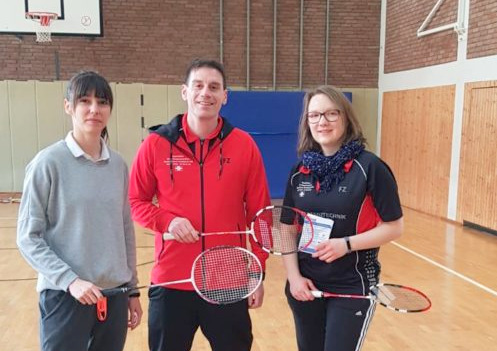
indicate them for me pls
(75, 17)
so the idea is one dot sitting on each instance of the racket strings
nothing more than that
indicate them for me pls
(278, 229)
(401, 298)
(224, 275)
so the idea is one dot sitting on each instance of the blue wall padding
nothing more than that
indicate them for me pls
(272, 119)
(348, 95)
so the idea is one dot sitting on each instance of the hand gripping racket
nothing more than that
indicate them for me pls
(276, 229)
(220, 275)
(395, 297)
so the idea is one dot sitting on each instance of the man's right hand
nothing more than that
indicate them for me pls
(183, 230)
(85, 292)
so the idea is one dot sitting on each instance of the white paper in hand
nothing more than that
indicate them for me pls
(322, 230)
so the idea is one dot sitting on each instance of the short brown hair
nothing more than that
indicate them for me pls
(199, 63)
(353, 128)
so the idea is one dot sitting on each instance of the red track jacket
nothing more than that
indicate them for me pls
(218, 184)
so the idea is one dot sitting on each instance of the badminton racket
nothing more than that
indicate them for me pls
(396, 297)
(276, 229)
(220, 275)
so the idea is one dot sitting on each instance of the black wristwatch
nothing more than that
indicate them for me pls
(347, 241)
(134, 294)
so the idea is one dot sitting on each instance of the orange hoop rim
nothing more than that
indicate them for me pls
(43, 17)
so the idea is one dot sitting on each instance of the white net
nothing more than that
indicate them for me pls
(226, 274)
(43, 34)
(42, 22)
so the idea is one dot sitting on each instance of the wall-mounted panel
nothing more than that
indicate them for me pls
(6, 171)
(112, 123)
(175, 103)
(155, 105)
(416, 141)
(365, 104)
(271, 118)
(67, 119)
(50, 114)
(32, 113)
(477, 198)
(128, 112)
(24, 125)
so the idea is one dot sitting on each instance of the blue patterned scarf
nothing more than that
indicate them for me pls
(330, 169)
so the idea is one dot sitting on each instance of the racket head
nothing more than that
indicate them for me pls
(277, 229)
(226, 274)
(400, 298)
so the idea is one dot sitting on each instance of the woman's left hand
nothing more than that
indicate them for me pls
(330, 250)
(135, 312)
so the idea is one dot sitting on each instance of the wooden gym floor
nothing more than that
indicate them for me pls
(455, 266)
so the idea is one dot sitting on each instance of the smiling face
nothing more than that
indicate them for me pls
(204, 93)
(89, 113)
(329, 135)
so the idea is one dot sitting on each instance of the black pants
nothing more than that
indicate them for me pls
(332, 324)
(67, 325)
(175, 315)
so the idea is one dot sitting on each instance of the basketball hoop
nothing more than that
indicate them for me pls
(42, 22)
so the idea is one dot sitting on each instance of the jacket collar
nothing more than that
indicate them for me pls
(174, 129)
(192, 137)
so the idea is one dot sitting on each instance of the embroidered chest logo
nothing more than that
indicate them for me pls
(342, 189)
(178, 162)
(304, 187)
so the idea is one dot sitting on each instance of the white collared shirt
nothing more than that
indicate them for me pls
(77, 151)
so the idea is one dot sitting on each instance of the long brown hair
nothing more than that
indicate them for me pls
(353, 129)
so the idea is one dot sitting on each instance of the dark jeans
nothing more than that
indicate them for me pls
(175, 315)
(332, 324)
(67, 325)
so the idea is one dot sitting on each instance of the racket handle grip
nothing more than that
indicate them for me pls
(167, 236)
(115, 291)
(316, 293)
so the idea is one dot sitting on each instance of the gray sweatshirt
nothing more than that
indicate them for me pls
(74, 219)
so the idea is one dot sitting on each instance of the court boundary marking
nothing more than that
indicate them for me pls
(451, 271)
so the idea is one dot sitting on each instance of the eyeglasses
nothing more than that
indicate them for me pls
(330, 115)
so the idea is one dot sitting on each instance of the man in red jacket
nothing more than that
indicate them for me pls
(207, 176)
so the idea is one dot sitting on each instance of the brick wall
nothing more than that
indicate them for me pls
(354, 44)
(482, 37)
(162, 36)
(235, 41)
(403, 49)
(314, 37)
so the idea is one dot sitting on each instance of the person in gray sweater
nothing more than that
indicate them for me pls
(75, 229)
